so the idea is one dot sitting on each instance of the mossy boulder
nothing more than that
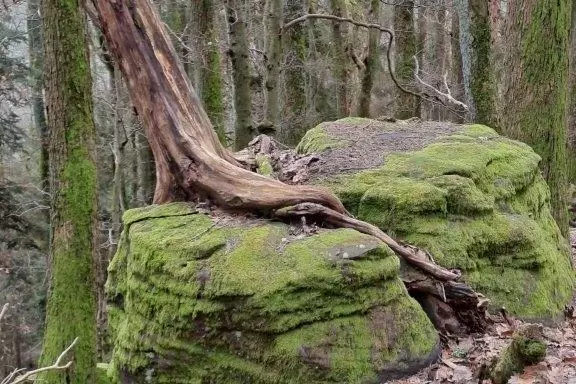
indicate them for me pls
(476, 200)
(199, 299)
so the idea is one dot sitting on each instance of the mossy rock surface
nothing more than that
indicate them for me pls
(197, 299)
(476, 200)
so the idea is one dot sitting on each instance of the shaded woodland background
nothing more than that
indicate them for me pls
(256, 72)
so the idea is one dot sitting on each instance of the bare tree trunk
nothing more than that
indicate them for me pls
(439, 66)
(35, 49)
(211, 83)
(190, 161)
(296, 42)
(273, 55)
(371, 62)
(457, 79)
(340, 32)
(240, 58)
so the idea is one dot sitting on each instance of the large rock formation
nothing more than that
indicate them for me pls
(197, 298)
(475, 200)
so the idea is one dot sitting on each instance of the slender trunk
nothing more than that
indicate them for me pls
(145, 167)
(407, 105)
(482, 86)
(342, 69)
(211, 83)
(71, 308)
(118, 186)
(371, 62)
(536, 99)
(35, 49)
(457, 80)
(296, 42)
(273, 55)
(439, 67)
(240, 58)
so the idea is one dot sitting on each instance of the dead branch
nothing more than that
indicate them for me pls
(447, 96)
(16, 377)
(437, 97)
(412, 255)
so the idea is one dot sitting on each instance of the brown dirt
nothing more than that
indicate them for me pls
(375, 137)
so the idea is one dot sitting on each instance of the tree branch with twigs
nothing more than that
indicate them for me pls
(435, 95)
(21, 375)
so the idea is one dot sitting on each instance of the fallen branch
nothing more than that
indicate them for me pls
(414, 256)
(16, 377)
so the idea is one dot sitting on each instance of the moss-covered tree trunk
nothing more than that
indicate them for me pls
(572, 110)
(71, 308)
(240, 59)
(536, 97)
(407, 105)
(371, 62)
(273, 23)
(296, 41)
(340, 32)
(475, 41)
(211, 82)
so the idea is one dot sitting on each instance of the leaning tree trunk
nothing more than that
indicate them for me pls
(190, 161)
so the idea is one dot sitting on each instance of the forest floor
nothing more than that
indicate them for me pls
(464, 358)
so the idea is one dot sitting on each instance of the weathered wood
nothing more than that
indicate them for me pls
(190, 161)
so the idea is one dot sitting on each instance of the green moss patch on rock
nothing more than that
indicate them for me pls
(196, 300)
(477, 201)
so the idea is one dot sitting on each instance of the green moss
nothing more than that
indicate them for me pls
(264, 165)
(482, 83)
(477, 202)
(71, 307)
(254, 304)
(317, 140)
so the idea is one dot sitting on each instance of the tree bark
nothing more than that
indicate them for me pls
(371, 62)
(273, 23)
(296, 42)
(35, 49)
(190, 161)
(536, 99)
(71, 308)
(240, 58)
(340, 32)
(211, 83)
(482, 86)
(407, 105)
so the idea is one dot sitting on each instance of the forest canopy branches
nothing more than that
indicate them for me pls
(445, 99)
